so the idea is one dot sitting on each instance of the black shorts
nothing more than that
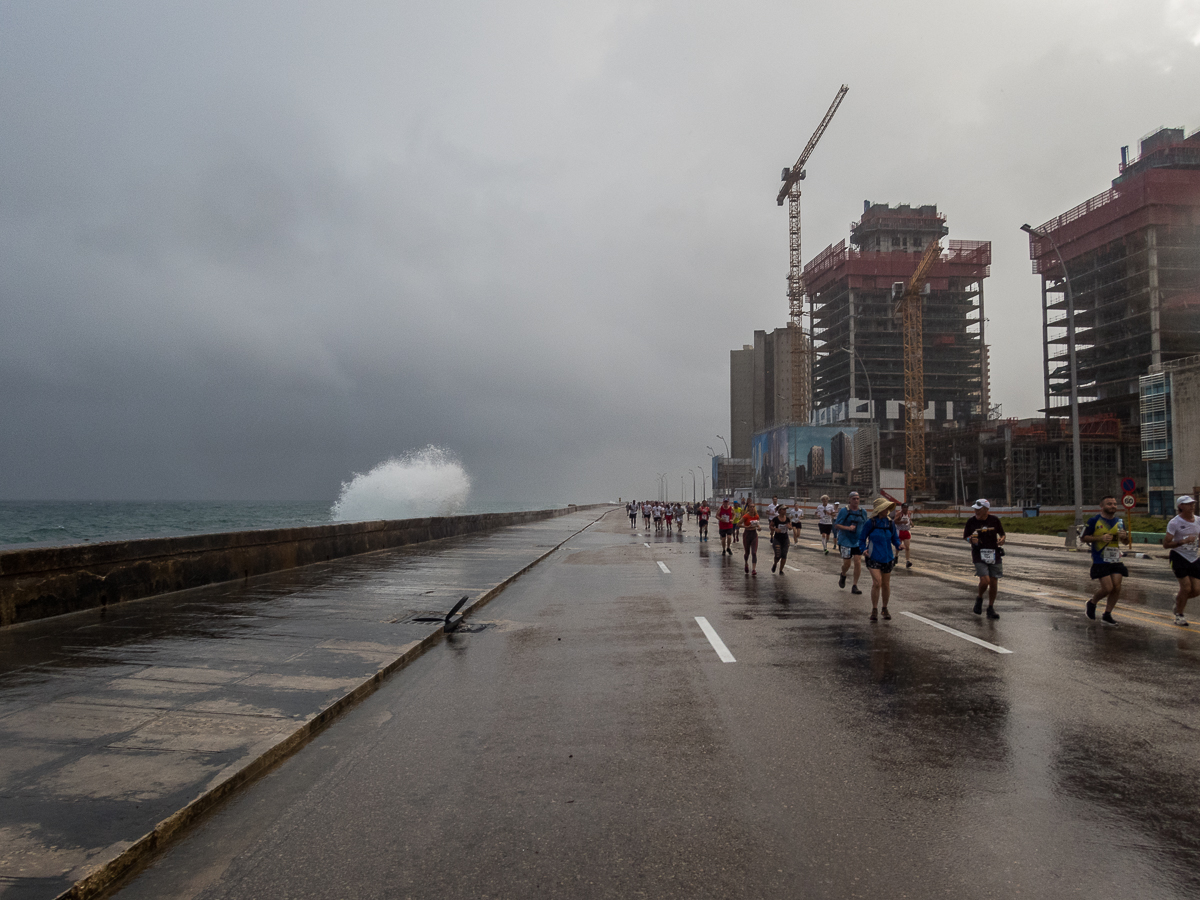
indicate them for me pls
(883, 567)
(1103, 570)
(1182, 568)
(825, 529)
(726, 531)
(797, 525)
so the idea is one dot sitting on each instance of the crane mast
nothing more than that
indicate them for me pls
(909, 308)
(800, 346)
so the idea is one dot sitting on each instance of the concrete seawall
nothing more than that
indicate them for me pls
(50, 581)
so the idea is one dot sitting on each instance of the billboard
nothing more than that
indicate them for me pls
(806, 454)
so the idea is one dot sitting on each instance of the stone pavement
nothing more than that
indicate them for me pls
(115, 721)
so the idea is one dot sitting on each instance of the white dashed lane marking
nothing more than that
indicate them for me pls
(662, 565)
(995, 648)
(715, 639)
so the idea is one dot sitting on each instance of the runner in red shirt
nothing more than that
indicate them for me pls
(750, 537)
(702, 515)
(725, 525)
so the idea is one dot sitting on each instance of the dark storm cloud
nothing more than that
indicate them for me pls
(253, 248)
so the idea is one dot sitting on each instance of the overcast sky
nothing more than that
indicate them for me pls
(250, 248)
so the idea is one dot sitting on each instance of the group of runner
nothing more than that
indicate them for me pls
(879, 535)
(663, 515)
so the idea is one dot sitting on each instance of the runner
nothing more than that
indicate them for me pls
(657, 512)
(883, 538)
(904, 526)
(848, 525)
(986, 534)
(631, 508)
(750, 542)
(825, 513)
(772, 507)
(679, 517)
(1104, 532)
(667, 512)
(1183, 540)
(702, 515)
(796, 517)
(780, 540)
(725, 526)
(646, 515)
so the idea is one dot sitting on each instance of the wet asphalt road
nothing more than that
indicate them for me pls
(588, 742)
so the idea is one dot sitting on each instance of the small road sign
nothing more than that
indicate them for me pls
(1128, 485)
(1129, 501)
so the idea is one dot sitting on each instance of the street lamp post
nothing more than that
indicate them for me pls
(693, 474)
(726, 443)
(1077, 467)
(660, 486)
(703, 484)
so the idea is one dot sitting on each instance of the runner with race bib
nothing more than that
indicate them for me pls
(986, 534)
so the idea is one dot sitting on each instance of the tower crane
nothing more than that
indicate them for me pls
(908, 306)
(801, 364)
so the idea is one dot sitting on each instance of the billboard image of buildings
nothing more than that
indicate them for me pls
(790, 457)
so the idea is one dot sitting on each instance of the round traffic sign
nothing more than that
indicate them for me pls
(1129, 501)
(1128, 485)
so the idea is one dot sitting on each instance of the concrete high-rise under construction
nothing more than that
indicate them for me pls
(858, 372)
(1133, 257)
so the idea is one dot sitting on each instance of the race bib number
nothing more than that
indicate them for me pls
(1111, 554)
(987, 556)
(846, 552)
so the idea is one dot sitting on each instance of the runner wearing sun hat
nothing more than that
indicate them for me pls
(986, 535)
(1183, 540)
(880, 540)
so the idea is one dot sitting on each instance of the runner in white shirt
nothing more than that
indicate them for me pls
(772, 507)
(796, 517)
(1183, 540)
(825, 513)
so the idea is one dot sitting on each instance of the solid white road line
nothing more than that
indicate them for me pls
(946, 628)
(793, 568)
(715, 639)
(662, 565)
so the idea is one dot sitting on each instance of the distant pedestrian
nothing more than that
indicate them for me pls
(880, 541)
(1104, 532)
(986, 535)
(781, 525)
(1183, 540)
(702, 515)
(903, 520)
(725, 526)
(631, 508)
(750, 537)
(825, 513)
(848, 526)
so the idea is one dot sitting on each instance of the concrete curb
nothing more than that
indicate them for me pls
(118, 870)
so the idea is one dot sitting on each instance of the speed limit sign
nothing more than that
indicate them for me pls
(1129, 501)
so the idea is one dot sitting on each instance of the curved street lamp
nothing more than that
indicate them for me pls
(728, 455)
(1072, 533)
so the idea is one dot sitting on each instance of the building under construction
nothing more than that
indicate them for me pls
(1132, 255)
(858, 371)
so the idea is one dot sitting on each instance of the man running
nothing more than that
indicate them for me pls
(658, 514)
(986, 534)
(796, 519)
(1183, 540)
(881, 540)
(848, 525)
(725, 526)
(679, 517)
(646, 515)
(825, 513)
(780, 540)
(1104, 532)
(702, 515)
(631, 508)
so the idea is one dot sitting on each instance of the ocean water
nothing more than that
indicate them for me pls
(25, 523)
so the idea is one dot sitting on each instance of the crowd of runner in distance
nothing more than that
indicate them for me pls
(880, 534)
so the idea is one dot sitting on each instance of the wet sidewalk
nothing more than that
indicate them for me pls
(113, 722)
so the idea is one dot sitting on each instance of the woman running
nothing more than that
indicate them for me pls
(796, 518)
(781, 539)
(880, 541)
(750, 537)
(903, 520)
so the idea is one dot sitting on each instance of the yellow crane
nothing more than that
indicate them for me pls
(801, 399)
(908, 307)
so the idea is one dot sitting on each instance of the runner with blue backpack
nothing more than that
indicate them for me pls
(880, 539)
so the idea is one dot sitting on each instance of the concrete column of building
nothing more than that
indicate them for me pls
(1008, 497)
(851, 344)
(985, 394)
(1155, 296)
(1045, 350)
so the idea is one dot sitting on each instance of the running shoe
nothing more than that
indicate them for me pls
(1180, 620)
(979, 604)
(826, 551)
(874, 617)
(908, 565)
(1107, 619)
(1090, 609)
(842, 580)
(854, 589)
(992, 614)
(885, 613)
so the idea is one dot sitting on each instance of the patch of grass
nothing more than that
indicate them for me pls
(1044, 524)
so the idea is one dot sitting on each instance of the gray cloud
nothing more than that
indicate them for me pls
(253, 248)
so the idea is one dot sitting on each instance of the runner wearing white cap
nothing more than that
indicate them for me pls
(986, 535)
(1183, 540)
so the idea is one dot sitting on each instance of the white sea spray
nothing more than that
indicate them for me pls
(426, 482)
